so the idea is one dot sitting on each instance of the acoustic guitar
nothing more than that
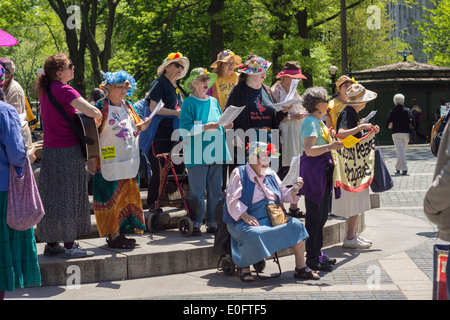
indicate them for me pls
(90, 146)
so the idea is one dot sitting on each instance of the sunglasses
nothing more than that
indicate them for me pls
(70, 66)
(203, 79)
(178, 65)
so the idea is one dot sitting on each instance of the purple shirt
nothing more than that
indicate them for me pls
(57, 132)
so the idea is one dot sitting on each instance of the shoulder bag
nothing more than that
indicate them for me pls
(275, 212)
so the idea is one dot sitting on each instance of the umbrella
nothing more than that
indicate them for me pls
(6, 39)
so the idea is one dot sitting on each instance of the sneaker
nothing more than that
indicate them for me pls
(196, 232)
(319, 264)
(329, 260)
(355, 243)
(52, 251)
(76, 252)
(364, 239)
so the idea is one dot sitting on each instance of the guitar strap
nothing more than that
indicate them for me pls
(69, 120)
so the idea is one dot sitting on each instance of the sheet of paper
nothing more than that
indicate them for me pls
(290, 99)
(229, 114)
(23, 119)
(293, 173)
(371, 115)
(158, 107)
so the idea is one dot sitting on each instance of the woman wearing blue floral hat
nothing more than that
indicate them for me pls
(117, 201)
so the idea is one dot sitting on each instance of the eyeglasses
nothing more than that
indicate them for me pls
(178, 65)
(203, 79)
(70, 66)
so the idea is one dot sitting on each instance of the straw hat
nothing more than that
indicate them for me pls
(224, 56)
(171, 58)
(357, 94)
(342, 79)
(198, 72)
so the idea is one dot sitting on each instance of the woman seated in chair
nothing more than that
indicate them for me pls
(253, 238)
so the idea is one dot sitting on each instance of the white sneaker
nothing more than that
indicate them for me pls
(355, 243)
(364, 239)
(76, 252)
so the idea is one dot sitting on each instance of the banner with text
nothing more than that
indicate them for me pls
(354, 166)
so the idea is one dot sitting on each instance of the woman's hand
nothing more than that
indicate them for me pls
(228, 126)
(298, 116)
(211, 126)
(142, 126)
(335, 145)
(298, 186)
(250, 220)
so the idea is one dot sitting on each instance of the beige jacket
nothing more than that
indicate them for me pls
(437, 199)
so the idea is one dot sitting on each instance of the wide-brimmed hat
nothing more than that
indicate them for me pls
(254, 65)
(263, 149)
(8, 64)
(198, 72)
(291, 69)
(224, 56)
(118, 78)
(357, 94)
(343, 79)
(171, 58)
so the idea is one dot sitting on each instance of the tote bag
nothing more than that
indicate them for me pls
(25, 208)
(382, 180)
(440, 260)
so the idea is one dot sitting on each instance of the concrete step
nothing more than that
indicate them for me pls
(164, 252)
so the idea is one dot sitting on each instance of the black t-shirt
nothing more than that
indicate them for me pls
(348, 119)
(261, 115)
(163, 89)
(401, 117)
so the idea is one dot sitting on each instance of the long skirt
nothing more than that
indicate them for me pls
(251, 244)
(64, 193)
(117, 205)
(19, 266)
(351, 203)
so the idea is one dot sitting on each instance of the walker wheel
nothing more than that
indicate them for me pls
(260, 266)
(185, 226)
(153, 222)
(228, 266)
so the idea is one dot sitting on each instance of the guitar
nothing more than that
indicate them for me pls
(90, 146)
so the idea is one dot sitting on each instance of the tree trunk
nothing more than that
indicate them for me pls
(215, 8)
(303, 32)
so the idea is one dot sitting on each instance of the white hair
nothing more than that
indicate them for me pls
(399, 99)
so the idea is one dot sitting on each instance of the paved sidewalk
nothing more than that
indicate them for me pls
(398, 266)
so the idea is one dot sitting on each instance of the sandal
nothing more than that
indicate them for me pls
(120, 242)
(245, 276)
(304, 274)
(296, 213)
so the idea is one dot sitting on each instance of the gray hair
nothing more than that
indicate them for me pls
(399, 99)
(312, 97)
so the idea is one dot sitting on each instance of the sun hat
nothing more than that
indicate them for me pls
(172, 58)
(2, 76)
(291, 69)
(254, 65)
(262, 149)
(119, 77)
(357, 94)
(198, 72)
(342, 79)
(8, 64)
(224, 56)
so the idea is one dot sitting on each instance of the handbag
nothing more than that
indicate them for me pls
(25, 208)
(440, 261)
(382, 180)
(276, 213)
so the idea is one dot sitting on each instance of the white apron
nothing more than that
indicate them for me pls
(119, 145)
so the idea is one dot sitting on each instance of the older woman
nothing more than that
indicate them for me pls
(157, 139)
(253, 238)
(227, 78)
(67, 213)
(352, 204)
(399, 121)
(316, 169)
(198, 121)
(336, 105)
(257, 98)
(18, 257)
(290, 126)
(117, 200)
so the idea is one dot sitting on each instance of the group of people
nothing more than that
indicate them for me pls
(125, 130)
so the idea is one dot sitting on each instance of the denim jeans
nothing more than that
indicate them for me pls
(201, 178)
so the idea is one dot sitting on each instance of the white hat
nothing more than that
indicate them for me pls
(357, 94)
(171, 58)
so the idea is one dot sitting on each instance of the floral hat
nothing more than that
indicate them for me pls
(224, 56)
(198, 72)
(263, 149)
(254, 65)
(171, 58)
(119, 77)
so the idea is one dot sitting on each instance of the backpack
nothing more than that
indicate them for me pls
(436, 133)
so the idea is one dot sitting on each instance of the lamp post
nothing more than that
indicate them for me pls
(333, 71)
